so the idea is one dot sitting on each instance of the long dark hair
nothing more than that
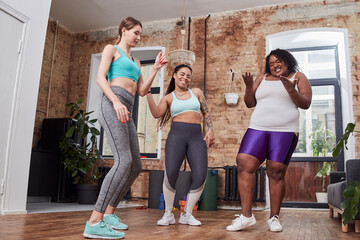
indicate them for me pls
(127, 23)
(284, 56)
(165, 118)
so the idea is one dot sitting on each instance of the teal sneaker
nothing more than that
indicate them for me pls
(101, 230)
(115, 222)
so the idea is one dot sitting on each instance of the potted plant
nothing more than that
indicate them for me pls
(321, 142)
(323, 172)
(352, 190)
(231, 94)
(79, 147)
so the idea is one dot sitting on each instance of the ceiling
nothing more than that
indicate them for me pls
(86, 15)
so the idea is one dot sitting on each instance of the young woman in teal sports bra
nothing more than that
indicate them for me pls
(184, 139)
(124, 81)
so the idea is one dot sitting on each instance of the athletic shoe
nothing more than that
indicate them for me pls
(101, 230)
(167, 219)
(189, 219)
(241, 222)
(115, 222)
(274, 224)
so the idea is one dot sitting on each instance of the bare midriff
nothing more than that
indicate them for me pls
(188, 117)
(126, 83)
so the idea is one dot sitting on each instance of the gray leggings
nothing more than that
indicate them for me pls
(185, 139)
(124, 144)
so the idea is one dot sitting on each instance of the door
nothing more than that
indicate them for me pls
(10, 47)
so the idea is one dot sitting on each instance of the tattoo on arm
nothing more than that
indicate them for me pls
(206, 113)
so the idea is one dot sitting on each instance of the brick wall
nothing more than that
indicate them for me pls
(235, 39)
(55, 76)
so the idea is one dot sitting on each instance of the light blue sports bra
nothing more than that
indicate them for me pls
(123, 67)
(179, 106)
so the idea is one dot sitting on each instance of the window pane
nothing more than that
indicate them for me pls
(145, 70)
(146, 123)
(317, 64)
(106, 151)
(317, 125)
(147, 127)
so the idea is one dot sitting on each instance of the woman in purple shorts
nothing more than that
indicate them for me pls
(273, 132)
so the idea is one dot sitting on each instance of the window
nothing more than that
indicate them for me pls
(317, 134)
(148, 136)
(322, 54)
(146, 124)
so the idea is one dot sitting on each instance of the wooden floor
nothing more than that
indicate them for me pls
(297, 224)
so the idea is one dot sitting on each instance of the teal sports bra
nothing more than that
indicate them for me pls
(179, 106)
(123, 67)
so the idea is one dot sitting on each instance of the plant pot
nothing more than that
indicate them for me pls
(321, 197)
(86, 193)
(231, 98)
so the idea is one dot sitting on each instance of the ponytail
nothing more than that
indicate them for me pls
(127, 23)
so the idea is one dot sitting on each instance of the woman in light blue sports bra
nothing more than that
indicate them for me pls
(185, 138)
(124, 81)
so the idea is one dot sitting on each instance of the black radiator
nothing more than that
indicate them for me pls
(231, 185)
(104, 171)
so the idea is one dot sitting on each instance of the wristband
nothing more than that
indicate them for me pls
(149, 91)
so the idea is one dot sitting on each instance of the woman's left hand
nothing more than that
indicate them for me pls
(210, 138)
(160, 60)
(289, 85)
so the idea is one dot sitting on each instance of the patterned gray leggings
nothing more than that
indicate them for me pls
(124, 144)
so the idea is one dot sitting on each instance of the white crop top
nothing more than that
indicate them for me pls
(274, 111)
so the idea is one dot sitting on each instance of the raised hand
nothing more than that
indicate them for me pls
(160, 60)
(248, 79)
(289, 85)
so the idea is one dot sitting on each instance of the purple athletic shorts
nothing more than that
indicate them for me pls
(274, 146)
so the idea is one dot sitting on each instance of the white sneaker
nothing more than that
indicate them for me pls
(189, 219)
(274, 224)
(241, 222)
(167, 219)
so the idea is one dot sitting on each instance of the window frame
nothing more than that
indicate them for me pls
(144, 54)
(337, 104)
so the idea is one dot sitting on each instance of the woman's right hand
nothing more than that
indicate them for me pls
(121, 112)
(248, 79)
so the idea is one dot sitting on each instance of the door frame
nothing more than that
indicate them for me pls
(4, 181)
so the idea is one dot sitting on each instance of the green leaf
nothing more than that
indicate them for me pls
(350, 128)
(349, 191)
(69, 104)
(70, 132)
(94, 131)
(83, 170)
(80, 101)
(88, 113)
(350, 204)
(74, 173)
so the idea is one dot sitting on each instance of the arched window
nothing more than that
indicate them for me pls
(322, 54)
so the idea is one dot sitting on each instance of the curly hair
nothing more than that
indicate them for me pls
(284, 56)
(165, 118)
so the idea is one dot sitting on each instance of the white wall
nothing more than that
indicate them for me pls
(17, 162)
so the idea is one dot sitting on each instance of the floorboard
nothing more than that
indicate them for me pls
(298, 224)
